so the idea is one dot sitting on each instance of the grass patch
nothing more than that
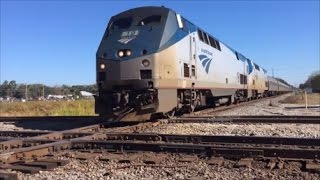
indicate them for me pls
(313, 99)
(48, 108)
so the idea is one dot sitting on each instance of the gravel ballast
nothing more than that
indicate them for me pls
(270, 107)
(170, 168)
(277, 130)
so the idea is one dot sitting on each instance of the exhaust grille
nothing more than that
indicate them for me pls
(186, 70)
(145, 74)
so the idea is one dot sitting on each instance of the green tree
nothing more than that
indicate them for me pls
(11, 88)
(315, 83)
(4, 88)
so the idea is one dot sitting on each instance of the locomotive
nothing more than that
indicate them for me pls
(152, 60)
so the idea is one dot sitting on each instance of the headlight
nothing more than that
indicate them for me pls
(128, 52)
(120, 53)
(102, 66)
(145, 63)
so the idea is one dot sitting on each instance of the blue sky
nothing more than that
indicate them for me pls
(54, 42)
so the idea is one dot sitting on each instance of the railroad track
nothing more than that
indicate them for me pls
(192, 119)
(247, 119)
(228, 107)
(27, 151)
(226, 146)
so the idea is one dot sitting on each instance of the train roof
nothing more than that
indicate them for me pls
(144, 10)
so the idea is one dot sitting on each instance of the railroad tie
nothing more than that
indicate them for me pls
(153, 160)
(42, 165)
(56, 161)
(128, 159)
(85, 156)
(24, 169)
(245, 162)
(313, 166)
(8, 176)
(121, 158)
(219, 161)
(188, 159)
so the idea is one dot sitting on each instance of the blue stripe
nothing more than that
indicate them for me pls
(208, 65)
(202, 57)
(204, 62)
(250, 67)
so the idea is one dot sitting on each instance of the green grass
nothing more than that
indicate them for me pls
(48, 108)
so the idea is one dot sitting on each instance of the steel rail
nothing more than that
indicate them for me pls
(248, 119)
(22, 133)
(226, 150)
(37, 146)
(209, 139)
(224, 108)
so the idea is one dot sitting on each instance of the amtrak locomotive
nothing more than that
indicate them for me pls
(152, 60)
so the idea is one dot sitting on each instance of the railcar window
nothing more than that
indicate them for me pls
(205, 36)
(241, 57)
(218, 45)
(200, 35)
(122, 23)
(256, 66)
(212, 42)
(243, 79)
(150, 20)
(237, 56)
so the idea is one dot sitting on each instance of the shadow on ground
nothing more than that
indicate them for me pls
(55, 125)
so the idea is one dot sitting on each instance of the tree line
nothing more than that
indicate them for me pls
(312, 82)
(35, 91)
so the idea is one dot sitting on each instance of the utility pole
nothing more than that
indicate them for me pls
(26, 92)
(43, 91)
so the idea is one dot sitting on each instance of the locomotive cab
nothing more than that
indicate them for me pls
(128, 60)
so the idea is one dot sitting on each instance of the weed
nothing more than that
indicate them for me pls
(312, 99)
(48, 108)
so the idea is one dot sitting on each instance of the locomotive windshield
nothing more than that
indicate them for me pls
(150, 20)
(127, 22)
(123, 23)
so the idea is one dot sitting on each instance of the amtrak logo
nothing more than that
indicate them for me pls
(128, 36)
(205, 61)
(125, 40)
